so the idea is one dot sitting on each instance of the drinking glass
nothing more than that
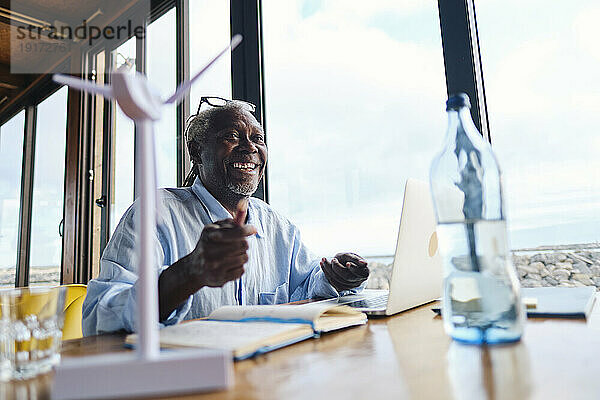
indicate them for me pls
(31, 321)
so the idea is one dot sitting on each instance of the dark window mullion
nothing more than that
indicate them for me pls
(462, 58)
(75, 175)
(246, 67)
(24, 241)
(261, 85)
(107, 154)
(477, 67)
(183, 74)
(84, 266)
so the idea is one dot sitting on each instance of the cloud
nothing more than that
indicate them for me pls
(543, 99)
(587, 30)
(351, 113)
(352, 110)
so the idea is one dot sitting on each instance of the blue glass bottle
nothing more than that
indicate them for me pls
(481, 299)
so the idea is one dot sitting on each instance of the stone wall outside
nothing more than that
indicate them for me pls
(565, 266)
(38, 276)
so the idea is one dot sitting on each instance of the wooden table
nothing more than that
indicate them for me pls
(407, 356)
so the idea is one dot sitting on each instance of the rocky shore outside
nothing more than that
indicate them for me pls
(565, 266)
(38, 276)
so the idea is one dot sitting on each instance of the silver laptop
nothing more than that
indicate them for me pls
(417, 271)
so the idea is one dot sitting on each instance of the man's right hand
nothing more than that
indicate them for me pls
(220, 254)
(219, 257)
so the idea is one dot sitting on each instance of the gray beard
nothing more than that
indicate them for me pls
(243, 189)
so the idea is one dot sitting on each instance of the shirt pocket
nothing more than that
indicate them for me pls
(280, 296)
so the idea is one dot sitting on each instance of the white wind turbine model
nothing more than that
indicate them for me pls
(148, 372)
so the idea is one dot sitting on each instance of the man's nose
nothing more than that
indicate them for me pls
(247, 145)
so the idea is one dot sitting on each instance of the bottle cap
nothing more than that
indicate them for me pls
(457, 101)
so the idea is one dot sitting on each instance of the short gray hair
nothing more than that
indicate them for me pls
(199, 125)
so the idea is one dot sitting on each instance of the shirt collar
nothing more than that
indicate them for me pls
(216, 211)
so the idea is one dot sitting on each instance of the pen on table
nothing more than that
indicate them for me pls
(240, 219)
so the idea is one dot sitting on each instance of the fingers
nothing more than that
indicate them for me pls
(223, 222)
(351, 257)
(330, 275)
(348, 274)
(217, 272)
(234, 274)
(327, 268)
(221, 252)
(358, 270)
(226, 248)
(344, 277)
(353, 262)
(222, 277)
(338, 281)
(231, 262)
(227, 232)
(224, 262)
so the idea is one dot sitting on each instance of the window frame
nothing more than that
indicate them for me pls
(463, 70)
(462, 57)
(26, 204)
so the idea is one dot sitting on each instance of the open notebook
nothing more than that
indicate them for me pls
(559, 302)
(555, 302)
(247, 331)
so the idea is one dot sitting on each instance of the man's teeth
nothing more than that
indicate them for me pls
(247, 166)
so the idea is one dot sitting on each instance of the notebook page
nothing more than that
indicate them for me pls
(221, 335)
(303, 312)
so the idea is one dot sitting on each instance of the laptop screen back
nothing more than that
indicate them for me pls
(417, 272)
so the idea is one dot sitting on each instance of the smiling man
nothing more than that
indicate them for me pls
(206, 259)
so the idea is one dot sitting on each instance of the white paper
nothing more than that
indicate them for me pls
(220, 334)
(308, 312)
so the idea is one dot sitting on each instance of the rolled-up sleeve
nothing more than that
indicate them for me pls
(110, 303)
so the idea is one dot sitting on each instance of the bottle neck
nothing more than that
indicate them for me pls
(451, 131)
(459, 121)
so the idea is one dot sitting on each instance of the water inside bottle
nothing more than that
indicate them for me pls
(481, 301)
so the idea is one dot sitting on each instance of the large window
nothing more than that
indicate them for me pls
(354, 95)
(543, 95)
(209, 32)
(123, 147)
(160, 64)
(161, 71)
(48, 190)
(11, 158)
(355, 105)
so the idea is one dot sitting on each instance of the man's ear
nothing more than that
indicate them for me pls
(195, 155)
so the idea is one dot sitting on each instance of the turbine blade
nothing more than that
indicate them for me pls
(184, 87)
(84, 85)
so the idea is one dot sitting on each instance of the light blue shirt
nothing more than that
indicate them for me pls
(280, 267)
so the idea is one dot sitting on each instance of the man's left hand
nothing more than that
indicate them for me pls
(345, 271)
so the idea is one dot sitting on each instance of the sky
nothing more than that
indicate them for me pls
(355, 96)
(355, 104)
(209, 33)
(48, 183)
(11, 158)
(543, 95)
(48, 180)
